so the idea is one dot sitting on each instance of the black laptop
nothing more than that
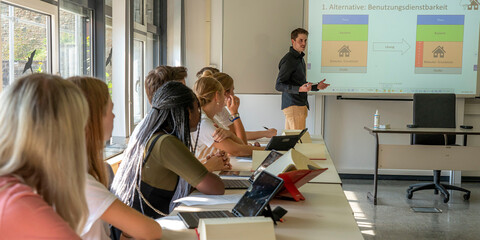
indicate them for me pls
(284, 143)
(245, 183)
(252, 203)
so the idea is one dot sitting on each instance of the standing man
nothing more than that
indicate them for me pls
(292, 82)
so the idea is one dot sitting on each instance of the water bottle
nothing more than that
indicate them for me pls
(376, 120)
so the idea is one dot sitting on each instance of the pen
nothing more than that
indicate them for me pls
(265, 127)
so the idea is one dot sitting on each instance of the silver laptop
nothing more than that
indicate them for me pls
(252, 203)
(246, 183)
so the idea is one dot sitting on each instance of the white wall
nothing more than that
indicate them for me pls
(196, 38)
(174, 32)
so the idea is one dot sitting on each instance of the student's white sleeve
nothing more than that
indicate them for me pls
(206, 131)
(99, 200)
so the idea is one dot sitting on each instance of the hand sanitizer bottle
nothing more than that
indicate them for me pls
(376, 120)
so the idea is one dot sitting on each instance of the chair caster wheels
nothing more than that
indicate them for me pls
(466, 196)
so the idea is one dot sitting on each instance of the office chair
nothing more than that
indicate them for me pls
(434, 111)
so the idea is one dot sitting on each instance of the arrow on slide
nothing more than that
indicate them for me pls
(402, 46)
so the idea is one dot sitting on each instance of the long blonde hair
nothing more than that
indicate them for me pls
(43, 141)
(206, 87)
(96, 92)
(225, 80)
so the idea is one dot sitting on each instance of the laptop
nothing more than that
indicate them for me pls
(284, 143)
(245, 183)
(252, 203)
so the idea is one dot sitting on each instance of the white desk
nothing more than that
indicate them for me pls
(311, 150)
(325, 214)
(413, 156)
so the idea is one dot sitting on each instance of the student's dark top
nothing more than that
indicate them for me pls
(290, 78)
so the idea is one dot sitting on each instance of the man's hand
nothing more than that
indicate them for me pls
(322, 85)
(233, 103)
(307, 87)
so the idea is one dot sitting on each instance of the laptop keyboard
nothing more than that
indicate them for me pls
(191, 219)
(214, 214)
(236, 183)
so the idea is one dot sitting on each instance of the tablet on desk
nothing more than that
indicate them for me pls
(284, 143)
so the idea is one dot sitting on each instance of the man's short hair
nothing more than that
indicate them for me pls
(160, 75)
(297, 31)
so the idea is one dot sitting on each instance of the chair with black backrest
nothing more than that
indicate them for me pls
(434, 111)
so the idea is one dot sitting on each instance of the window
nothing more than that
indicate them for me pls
(75, 40)
(150, 9)
(108, 52)
(137, 84)
(25, 42)
(138, 11)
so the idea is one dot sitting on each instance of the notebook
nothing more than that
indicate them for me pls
(245, 183)
(284, 143)
(252, 203)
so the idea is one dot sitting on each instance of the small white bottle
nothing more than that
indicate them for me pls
(376, 120)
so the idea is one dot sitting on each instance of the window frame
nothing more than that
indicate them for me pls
(53, 43)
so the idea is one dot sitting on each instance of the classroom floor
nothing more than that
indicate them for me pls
(393, 218)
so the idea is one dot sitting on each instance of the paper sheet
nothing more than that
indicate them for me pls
(209, 199)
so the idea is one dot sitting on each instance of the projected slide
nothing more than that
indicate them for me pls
(394, 47)
(345, 43)
(439, 44)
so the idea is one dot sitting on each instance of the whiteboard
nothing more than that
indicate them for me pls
(256, 35)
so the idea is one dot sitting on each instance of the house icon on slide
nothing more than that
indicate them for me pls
(344, 51)
(473, 5)
(439, 52)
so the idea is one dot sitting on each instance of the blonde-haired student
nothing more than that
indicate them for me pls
(42, 159)
(229, 117)
(104, 207)
(211, 136)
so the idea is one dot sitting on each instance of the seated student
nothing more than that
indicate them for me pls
(160, 166)
(153, 81)
(43, 159)
(161, 75)
(212, 71)
(104, 207)
(210, 93)
(230, 119)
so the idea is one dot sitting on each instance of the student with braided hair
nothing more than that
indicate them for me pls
(156, 78)
(160, 166)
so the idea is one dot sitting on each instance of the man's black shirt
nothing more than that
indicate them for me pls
(290, 78)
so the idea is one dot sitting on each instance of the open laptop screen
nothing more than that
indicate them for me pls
(272, 157)
(258, 195)
(284, 143)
